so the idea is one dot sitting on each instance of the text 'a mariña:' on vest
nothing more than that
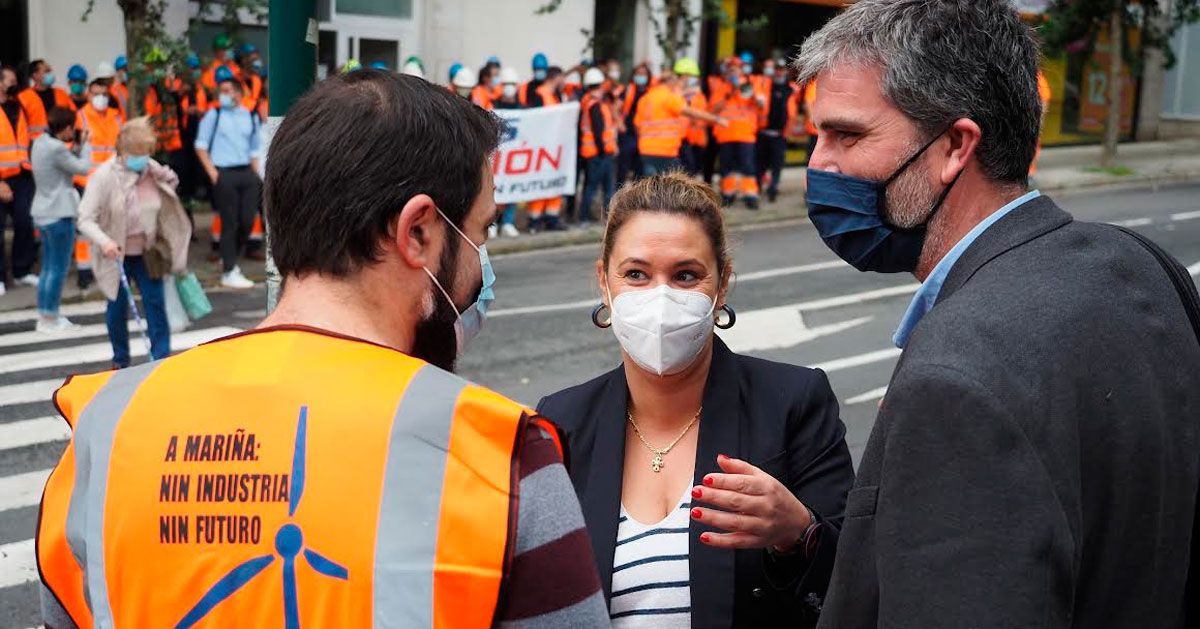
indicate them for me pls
(238, 446)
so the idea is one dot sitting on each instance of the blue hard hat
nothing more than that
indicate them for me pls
(746, 57)
(193, 60)
(540, 62)
(223, 74)
(120, 63)
(77, 73)
(248, 48)
(379, 65)
(494, 60)
(454, 68)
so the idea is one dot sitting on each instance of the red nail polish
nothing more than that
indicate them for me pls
(696, 492)
(696, 513)
(708, 481)
(704, 537)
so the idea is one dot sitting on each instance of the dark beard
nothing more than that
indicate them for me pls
(434, 340)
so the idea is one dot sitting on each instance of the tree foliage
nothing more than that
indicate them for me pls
(1073, 26)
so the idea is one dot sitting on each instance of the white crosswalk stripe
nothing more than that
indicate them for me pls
(99, 352)
(66, 310)
(26, 392)
(17, 563)
(22, 490)
(84, 331)
(31, 431)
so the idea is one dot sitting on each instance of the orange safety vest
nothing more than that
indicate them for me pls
(481, 95)
(1044, 93)
(209, 78)
(166, 125)
(120, 91)
(195, 495)
(200, 96)
(35, 109)
(14, 145)
(660, 122)
(810, 97)
(587, 136)
(104, 127)
(549, 96)
(252, 93)
(742, 114)
(697, 130)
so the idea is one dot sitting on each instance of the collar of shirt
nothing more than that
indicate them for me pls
(927, 294)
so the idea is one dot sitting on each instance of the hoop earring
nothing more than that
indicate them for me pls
(732, 318)
(596, 312)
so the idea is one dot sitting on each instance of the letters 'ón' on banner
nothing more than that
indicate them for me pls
(536, 158)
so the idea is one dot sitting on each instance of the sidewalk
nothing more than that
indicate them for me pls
(1061, 170)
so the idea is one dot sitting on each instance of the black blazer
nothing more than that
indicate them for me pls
(1035, 460)
(781, 418)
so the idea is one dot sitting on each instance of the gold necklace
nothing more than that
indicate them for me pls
(657, 463)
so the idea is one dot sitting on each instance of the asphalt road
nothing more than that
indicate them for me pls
(796, 303)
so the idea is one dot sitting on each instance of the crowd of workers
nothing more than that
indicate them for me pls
(735, 124)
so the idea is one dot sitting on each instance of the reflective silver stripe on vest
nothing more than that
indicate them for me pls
(406, 539)
(93, 439)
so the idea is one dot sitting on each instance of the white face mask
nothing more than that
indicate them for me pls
(510, 90)
(100, 102)
(663, 329)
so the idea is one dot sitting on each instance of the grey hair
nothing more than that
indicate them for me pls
(943, 60)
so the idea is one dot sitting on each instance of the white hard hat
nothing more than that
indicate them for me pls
(413, 68)
(104, 70)
(465, 77)
(509, 75)
(572, 78)
(593, 77)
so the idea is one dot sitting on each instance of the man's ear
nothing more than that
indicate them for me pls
(413, 230)
(964, 135)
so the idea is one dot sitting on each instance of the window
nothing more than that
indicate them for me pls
(401, 9)
(1181, 85)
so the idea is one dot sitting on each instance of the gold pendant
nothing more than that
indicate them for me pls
(657, 463)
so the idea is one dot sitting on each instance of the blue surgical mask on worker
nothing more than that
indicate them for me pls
(539, 75)
(640, 80)
(227, 101)
(48, 79)
(137, 163)
(470, 321)
(849, 214)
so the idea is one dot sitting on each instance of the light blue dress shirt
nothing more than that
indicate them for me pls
(236, 141)
(927, 294)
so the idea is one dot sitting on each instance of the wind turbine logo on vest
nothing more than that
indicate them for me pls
(289, 542)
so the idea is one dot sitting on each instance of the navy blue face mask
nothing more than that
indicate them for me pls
(848, 213)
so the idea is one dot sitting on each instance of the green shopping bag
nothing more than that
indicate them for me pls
(191, 293)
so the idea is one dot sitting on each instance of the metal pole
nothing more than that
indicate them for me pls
(292, 51)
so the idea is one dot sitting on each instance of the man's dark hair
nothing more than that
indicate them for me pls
(234, 82)
(34, 66)
(553, 72)
(353, 151)
(59, 118)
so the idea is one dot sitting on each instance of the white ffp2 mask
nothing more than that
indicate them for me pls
(663, 329)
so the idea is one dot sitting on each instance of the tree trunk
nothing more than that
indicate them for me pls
(135, 14)
(1112, 128)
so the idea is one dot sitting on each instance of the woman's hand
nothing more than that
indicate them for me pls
(6, 193)
(111, 250)
(758, 511)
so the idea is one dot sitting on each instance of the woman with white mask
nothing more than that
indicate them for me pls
(713, 484)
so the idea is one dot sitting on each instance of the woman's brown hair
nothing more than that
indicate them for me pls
(672, 193)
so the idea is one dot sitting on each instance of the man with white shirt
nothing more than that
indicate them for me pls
(1034, 463)
(228, 145)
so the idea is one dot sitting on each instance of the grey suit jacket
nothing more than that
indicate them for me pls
(1035, 461)
(54, 165)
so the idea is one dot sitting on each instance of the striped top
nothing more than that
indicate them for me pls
(650, 571)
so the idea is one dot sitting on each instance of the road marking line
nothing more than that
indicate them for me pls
(791, 270)
(859, 360)
(27, 392)
(870, 396)
(1185, 216)
(99, 352)
(31, 337)
(67, 310)
(573, 305)
(775, 328)
(1133, 222)
(22, 490)
(33, 431)
(1194, 270)
(17, 563)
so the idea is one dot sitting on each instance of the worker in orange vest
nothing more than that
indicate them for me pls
(779, 114)
(101, 119)
(328, 469)
(250, 66)
(493, 64)
(77, 85)
(629, 160)
(16, 184)
(485, 87)
(194, 101)
(661, 119)
(1044, 95)
(527, 93)
(736, 141)
(810, 127)
(117, 75)
(695, 139)
(222, 57)
(41, 96)
(546, 214)
(719, 86)
(597, 144)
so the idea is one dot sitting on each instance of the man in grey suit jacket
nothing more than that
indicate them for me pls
(1035, 462)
